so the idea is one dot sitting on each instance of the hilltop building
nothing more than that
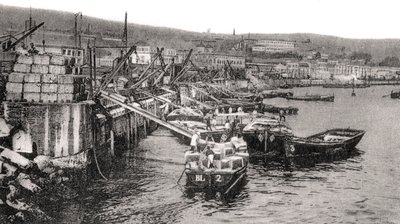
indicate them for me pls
(146, 53)
(218, 60)
(272, 46)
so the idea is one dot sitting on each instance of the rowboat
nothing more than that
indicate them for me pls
(276, 109)
(329, 98)
(395, 94)
(325, 145)
(346, 85)
(274, 94)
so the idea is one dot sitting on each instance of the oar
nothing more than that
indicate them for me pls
(385, 95)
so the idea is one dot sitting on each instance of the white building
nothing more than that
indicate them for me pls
(272, 46)
(143, 55)
(67, 51)
(146, 53)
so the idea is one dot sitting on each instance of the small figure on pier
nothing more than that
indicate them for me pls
(223, 110)
(33, 49)
(214, 121)
(210, 157)
(208, 120)
(216, 111)
(236, 122)
(210, 138)
(240, 110)
(194, 141)
(164, 111)
(282, 115)
(230, 110)
(227, 124)
(254, 115)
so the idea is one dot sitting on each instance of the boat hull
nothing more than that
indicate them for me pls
(313, 98)
(277, 94)
(276, 109)
(273, 149)
(346, 86)
(197, 180)
(306, 146)
(395, 95)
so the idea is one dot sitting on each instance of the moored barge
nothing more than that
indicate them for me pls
(226, 170)
(327, 98)
(395, 94)
(267, 138)
(330, 144)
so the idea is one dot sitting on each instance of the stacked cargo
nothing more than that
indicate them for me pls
(40, 78)
(218, 168)
(225, 157)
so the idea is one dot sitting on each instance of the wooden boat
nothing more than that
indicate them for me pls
(325, 144)
(329, 98)
(243, 95)
(266, 137)
(185, 114)
(286, 86)
(274, 94)
(304, 85)
(395, 94)
(276, 109)
(346, 85)
(218, 133)
(228, 170)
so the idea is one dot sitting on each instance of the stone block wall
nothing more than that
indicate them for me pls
(41, 76)
(56, 129)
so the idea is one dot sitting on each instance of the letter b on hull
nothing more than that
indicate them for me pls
(200, 178)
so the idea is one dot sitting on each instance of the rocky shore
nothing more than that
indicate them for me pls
(27, 186)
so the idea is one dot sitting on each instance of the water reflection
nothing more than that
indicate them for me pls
(361, 188)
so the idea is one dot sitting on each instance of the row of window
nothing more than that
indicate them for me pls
(275, 42)
(218, 61)
(143, 49)
(146, 50)
(71, 52)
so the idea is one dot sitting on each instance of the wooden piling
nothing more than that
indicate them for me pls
(112, 150)
(136, 128)
(145, 126)
(128, 132)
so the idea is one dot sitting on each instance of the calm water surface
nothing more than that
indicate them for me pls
(362, 189)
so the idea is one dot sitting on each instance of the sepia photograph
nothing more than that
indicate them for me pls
(199, 112)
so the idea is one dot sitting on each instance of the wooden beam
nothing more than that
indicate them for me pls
(115, 71)
(183, 67)
(205, 93)
(118, 99)
(143, 79)
(162, 74)
(151, 63)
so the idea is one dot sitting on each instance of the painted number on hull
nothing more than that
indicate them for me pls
(200, 178)
(218, 178)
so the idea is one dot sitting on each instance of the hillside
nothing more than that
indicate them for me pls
(59, 25)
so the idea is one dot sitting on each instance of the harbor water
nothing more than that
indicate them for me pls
(362, 189)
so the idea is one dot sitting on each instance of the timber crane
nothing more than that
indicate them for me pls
(12, 45)
(184, 69)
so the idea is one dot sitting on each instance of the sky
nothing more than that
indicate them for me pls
(344, 18)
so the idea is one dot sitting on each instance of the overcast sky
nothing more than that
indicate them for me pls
(345, 18)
